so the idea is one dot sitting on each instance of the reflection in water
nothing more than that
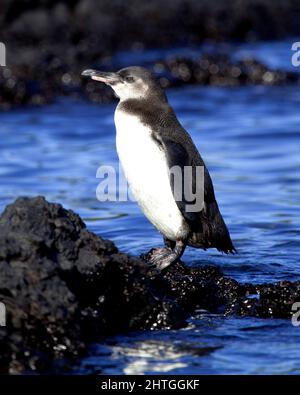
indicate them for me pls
(209, 345)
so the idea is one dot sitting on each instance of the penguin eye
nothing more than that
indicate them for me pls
(129, 79)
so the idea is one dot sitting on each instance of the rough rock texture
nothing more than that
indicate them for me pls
(64, 287)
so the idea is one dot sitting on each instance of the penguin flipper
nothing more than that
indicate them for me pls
(208, 228)
(178, 157)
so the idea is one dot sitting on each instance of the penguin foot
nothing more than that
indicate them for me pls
(159, 259)
(155, 254)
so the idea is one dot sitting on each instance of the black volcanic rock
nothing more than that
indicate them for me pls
(64, 287)
(47, 78)
(221, 70)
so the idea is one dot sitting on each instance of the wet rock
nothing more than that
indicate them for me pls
(50, 77)
(64, 287)
(275, 300)
(38, 79)
(220, 70)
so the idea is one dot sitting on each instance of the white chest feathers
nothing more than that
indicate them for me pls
(147, 173)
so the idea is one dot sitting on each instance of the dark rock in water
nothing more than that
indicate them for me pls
(220, 70)
(48, 77)
(275, 300)
(39, 78)
(64, 287)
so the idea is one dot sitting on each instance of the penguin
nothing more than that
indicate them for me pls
(150, 141)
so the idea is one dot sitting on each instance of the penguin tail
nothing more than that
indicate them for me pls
(212, 232)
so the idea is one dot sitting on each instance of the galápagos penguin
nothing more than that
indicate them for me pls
(150, 141)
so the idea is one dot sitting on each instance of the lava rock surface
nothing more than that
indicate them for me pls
(64, 287)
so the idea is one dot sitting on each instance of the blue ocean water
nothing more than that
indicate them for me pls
(249, 138)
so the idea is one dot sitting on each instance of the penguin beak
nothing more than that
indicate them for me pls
(108, 78)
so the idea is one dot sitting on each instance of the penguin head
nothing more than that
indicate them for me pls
(129, 83)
